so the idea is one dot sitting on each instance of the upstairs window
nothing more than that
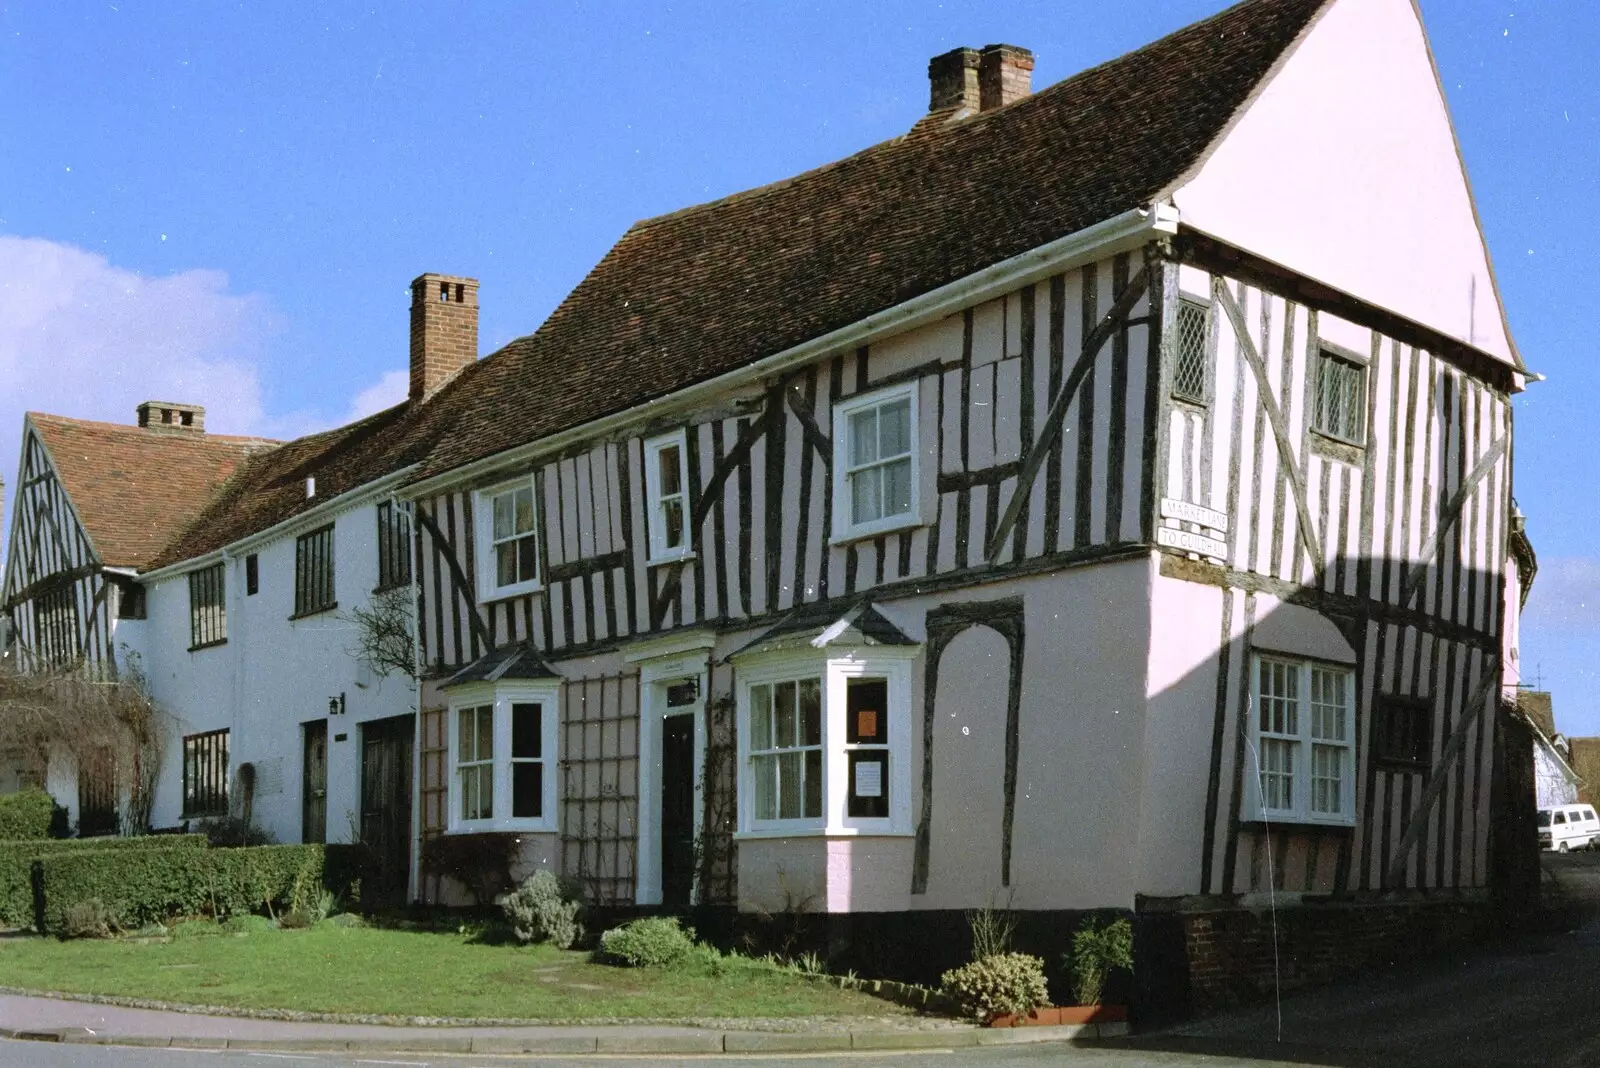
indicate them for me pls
(1303, 737)
(666, 482)
(508, 547)
(252, 575)
(1340, 402)
(394, 546)
(313, 572)
(205, 775)
(55, 623)
(1190, 365)
(208, 608)
(875, 464)
(1402, 732)
(501, 752)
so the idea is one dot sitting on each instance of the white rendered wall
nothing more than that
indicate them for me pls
(273, 675)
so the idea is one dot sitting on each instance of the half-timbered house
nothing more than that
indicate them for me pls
(1095, 498)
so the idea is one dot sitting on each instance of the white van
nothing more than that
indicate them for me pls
(1567, 827)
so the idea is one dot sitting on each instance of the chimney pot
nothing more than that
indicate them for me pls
(1005, 75)
(444, 330)
(172, 415)
(953, 80)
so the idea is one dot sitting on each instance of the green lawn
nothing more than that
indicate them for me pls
(407, 973)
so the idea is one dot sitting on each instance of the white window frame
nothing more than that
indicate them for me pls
(1300, 810)
(502, 696)
(483, 515)
(844, 529)
(835, 671)
(660, 552)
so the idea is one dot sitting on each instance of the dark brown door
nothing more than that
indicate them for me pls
(314, 783)
(386, 748)
(677, 810)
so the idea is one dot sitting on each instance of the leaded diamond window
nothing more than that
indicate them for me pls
(1189, 365)
(1341, 401)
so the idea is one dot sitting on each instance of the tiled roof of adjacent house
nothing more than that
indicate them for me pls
(136, 489)
(688, 296)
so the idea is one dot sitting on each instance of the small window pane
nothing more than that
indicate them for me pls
(766, 776)
(869, 783)
(813, 786)
(810, 712)
(505, 564)
(672, 522)
(527, 789)
(863, 436)
(866, 712)
(527, 559)
(760, 717)
(865, 496)
(502, 516)
(1277, 773)
(671, 481)
(897, 487)
(789, 783)
(894, 428)
(526, 738)
(524, 510)
(783, 715)
(485, 749)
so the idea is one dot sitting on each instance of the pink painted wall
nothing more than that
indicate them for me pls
(1345, 168)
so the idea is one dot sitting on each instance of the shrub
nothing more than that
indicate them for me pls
(232, 832)
(1098, 949)
(481, 863)
(651, 942)
(195, 928)
(88, 919)
(152, 884)
(26, 815)
(543, 910)
(992, 930)
(294, 921)
(247, 924)
(994, 986)
(16, 866)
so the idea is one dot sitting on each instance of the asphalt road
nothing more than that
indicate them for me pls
(43, 1055)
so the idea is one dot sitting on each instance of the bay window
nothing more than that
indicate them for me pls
(825, 744)
(502, 749)
(1302, 732)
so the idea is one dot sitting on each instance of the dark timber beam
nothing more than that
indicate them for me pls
(1109, 323)
(458, 578)
(1395, 873)
(1448, 516)
(1280, 427)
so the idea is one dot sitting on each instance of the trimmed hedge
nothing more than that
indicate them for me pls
(25, 815)
(147, 885)
(16, 865)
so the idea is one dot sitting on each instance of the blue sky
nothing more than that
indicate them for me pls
(229, 203)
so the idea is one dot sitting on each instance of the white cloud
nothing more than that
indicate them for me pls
(1565, 595)
(80, 336)
(386, 392)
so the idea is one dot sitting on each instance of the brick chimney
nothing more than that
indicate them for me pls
(444, 330)
(1005, 75)
(953, 80)
(170, 415)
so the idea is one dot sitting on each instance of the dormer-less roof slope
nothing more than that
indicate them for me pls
(134, 489)
(271, 487)
(685, 297)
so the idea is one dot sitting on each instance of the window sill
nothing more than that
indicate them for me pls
(320, 611)
(504, 827)
(1336, 448)
(1340, 823)
(208, 645)
(869, 531)
(672, 558)
(507, 593)
(385, 587)
(1190, 402)
(823, 832)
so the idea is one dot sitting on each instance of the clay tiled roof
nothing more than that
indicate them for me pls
(688, 296)
(136, 489)
(1536, 705)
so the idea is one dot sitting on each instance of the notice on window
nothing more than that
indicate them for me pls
(867, 723)
(869, 779)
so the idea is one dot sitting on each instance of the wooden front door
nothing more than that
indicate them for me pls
(314, 782)
(677, 810)
(386, 748)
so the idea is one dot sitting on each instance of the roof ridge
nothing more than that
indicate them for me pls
(187, 436)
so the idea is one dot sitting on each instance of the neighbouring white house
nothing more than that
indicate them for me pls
(1097, 498)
